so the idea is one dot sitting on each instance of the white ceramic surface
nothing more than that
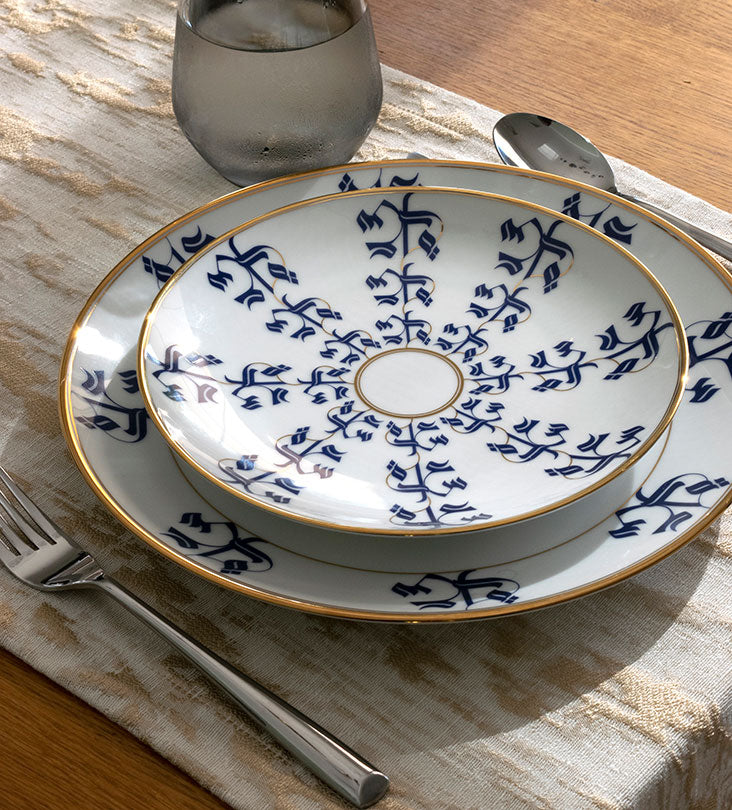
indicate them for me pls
(432, 361)
(139, 479)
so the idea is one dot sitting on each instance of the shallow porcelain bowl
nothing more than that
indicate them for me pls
(412, 362)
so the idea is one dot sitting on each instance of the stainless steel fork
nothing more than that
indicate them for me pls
(34, 549)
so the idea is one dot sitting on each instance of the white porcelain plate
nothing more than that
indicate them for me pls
(131, 468)
(433, 361)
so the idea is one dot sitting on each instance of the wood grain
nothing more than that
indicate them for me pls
(647, 81)
(57, 752)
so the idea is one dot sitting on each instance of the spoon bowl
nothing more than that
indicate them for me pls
(536, 142)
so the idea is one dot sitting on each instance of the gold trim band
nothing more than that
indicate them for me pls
(97, 486)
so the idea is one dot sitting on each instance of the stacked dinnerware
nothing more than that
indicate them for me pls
(409, 390)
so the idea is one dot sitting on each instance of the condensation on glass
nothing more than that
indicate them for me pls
(269, 87)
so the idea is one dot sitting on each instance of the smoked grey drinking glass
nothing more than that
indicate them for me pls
(269, 87)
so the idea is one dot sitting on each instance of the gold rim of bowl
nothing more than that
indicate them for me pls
(681, 371)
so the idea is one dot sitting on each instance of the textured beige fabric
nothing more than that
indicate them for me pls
(620, 700)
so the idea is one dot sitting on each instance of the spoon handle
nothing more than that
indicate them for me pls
(709, 240)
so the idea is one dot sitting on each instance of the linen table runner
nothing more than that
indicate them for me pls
(619, 700)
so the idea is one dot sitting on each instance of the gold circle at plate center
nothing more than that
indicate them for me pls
(459, 382)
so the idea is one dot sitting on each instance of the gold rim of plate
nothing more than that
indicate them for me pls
(73, 441)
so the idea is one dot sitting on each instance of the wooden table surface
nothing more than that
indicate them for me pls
(647, 80)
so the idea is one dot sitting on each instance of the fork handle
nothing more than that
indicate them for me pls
(336, 764)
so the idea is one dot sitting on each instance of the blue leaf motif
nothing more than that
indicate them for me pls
(220, 279)
(161, 272)
(398, 472)
(173, 392)
(623, 367)
(299, 436)
(194, 243)
(615, 229)
(716, 329)
(129, 381)
(251, 403)
(366, 221)
(346, 183)
(551, 274)
(428, 243)
(181, 539)
(333, 452)
(506, 262)
(510, 231)
(94, 382)
(98, 421)
(703, 390)
(250, 297)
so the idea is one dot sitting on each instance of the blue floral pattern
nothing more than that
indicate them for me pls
(402, 240)
(669, 506)
(220, 542)
(467, 589)
(122, 422)
(162, 270)
(710, 341)
(611, 226)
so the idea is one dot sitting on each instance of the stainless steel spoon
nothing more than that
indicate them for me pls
(535, 142)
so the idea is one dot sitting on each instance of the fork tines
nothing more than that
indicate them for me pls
(24, 531)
